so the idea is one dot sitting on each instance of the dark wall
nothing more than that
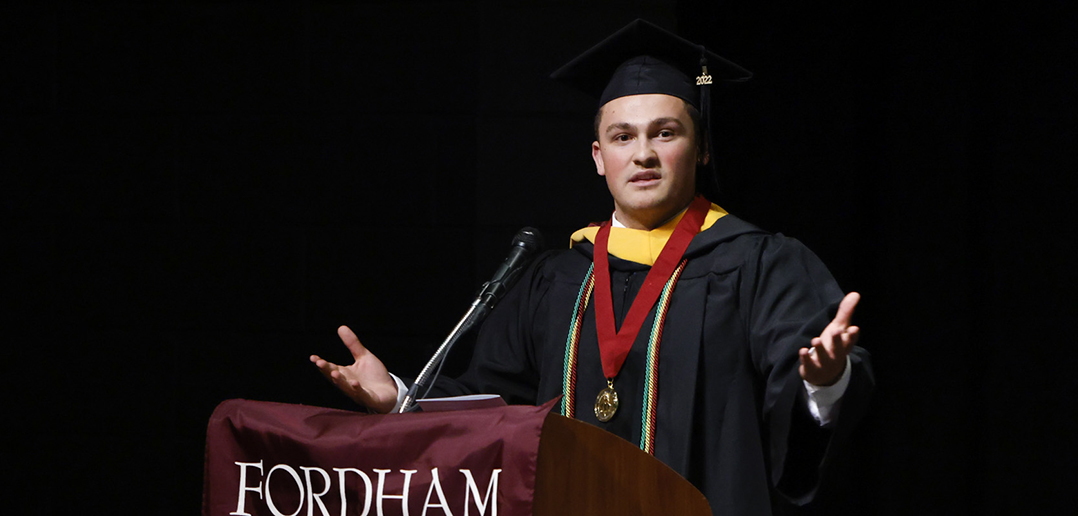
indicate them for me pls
(195, 195)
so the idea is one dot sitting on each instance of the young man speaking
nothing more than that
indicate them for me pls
(725, 351)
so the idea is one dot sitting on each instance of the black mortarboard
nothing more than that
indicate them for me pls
(644, 58)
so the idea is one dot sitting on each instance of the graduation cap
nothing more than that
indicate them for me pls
(643, 58)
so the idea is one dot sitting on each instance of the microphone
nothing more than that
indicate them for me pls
(525, 244)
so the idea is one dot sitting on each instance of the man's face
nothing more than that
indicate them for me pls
(647, 152)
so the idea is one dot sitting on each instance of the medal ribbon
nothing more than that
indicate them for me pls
(651, 382)
(614, 345)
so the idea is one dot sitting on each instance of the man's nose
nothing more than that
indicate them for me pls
(644, 154)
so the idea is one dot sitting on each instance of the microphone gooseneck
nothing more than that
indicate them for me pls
(526, 243)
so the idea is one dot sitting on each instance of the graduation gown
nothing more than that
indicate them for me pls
(731, 415)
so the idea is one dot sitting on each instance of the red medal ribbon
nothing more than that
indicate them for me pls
(614, 345)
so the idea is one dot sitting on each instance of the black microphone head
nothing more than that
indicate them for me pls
(530, 239)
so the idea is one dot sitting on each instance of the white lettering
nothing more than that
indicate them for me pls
(367, 491)
(299, 484)
(312, 490)
(313, 497)
(404, 494)
(473, 489)
(436, 487)
(240, 500)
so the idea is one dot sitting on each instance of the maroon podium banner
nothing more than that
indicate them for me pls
(275, 459)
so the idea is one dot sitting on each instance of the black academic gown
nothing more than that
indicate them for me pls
(731, 414)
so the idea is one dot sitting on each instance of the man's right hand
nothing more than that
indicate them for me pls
(366, 381)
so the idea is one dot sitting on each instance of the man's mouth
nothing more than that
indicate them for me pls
(645, 176)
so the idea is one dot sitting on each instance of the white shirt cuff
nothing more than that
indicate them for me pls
(823, 402)
(402, 391)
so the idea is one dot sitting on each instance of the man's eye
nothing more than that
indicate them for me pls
(621, 138)
(666, 133)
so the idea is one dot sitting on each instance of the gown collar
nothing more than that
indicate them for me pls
(640, 245)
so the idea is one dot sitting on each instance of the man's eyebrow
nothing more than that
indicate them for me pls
(623, 126)
(666, 120)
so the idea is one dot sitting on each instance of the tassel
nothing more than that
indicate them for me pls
(711, 190)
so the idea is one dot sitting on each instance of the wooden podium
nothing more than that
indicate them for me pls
(294, 460)
(585, 470)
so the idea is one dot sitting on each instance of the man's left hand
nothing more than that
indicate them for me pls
(824, 362)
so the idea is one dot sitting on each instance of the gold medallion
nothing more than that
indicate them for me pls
(606, 404)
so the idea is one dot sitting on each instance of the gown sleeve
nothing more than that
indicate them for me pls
(790, 298)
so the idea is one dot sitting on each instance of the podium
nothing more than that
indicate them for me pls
(294, 460)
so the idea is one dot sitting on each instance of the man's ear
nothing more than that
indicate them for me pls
(597, 156)
(705, 158)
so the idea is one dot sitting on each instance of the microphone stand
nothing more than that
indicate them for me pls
(525, 244)
(473, 315)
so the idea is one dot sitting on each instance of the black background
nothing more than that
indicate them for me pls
(195, 195)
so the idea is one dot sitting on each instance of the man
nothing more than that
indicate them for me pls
(725, 351)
